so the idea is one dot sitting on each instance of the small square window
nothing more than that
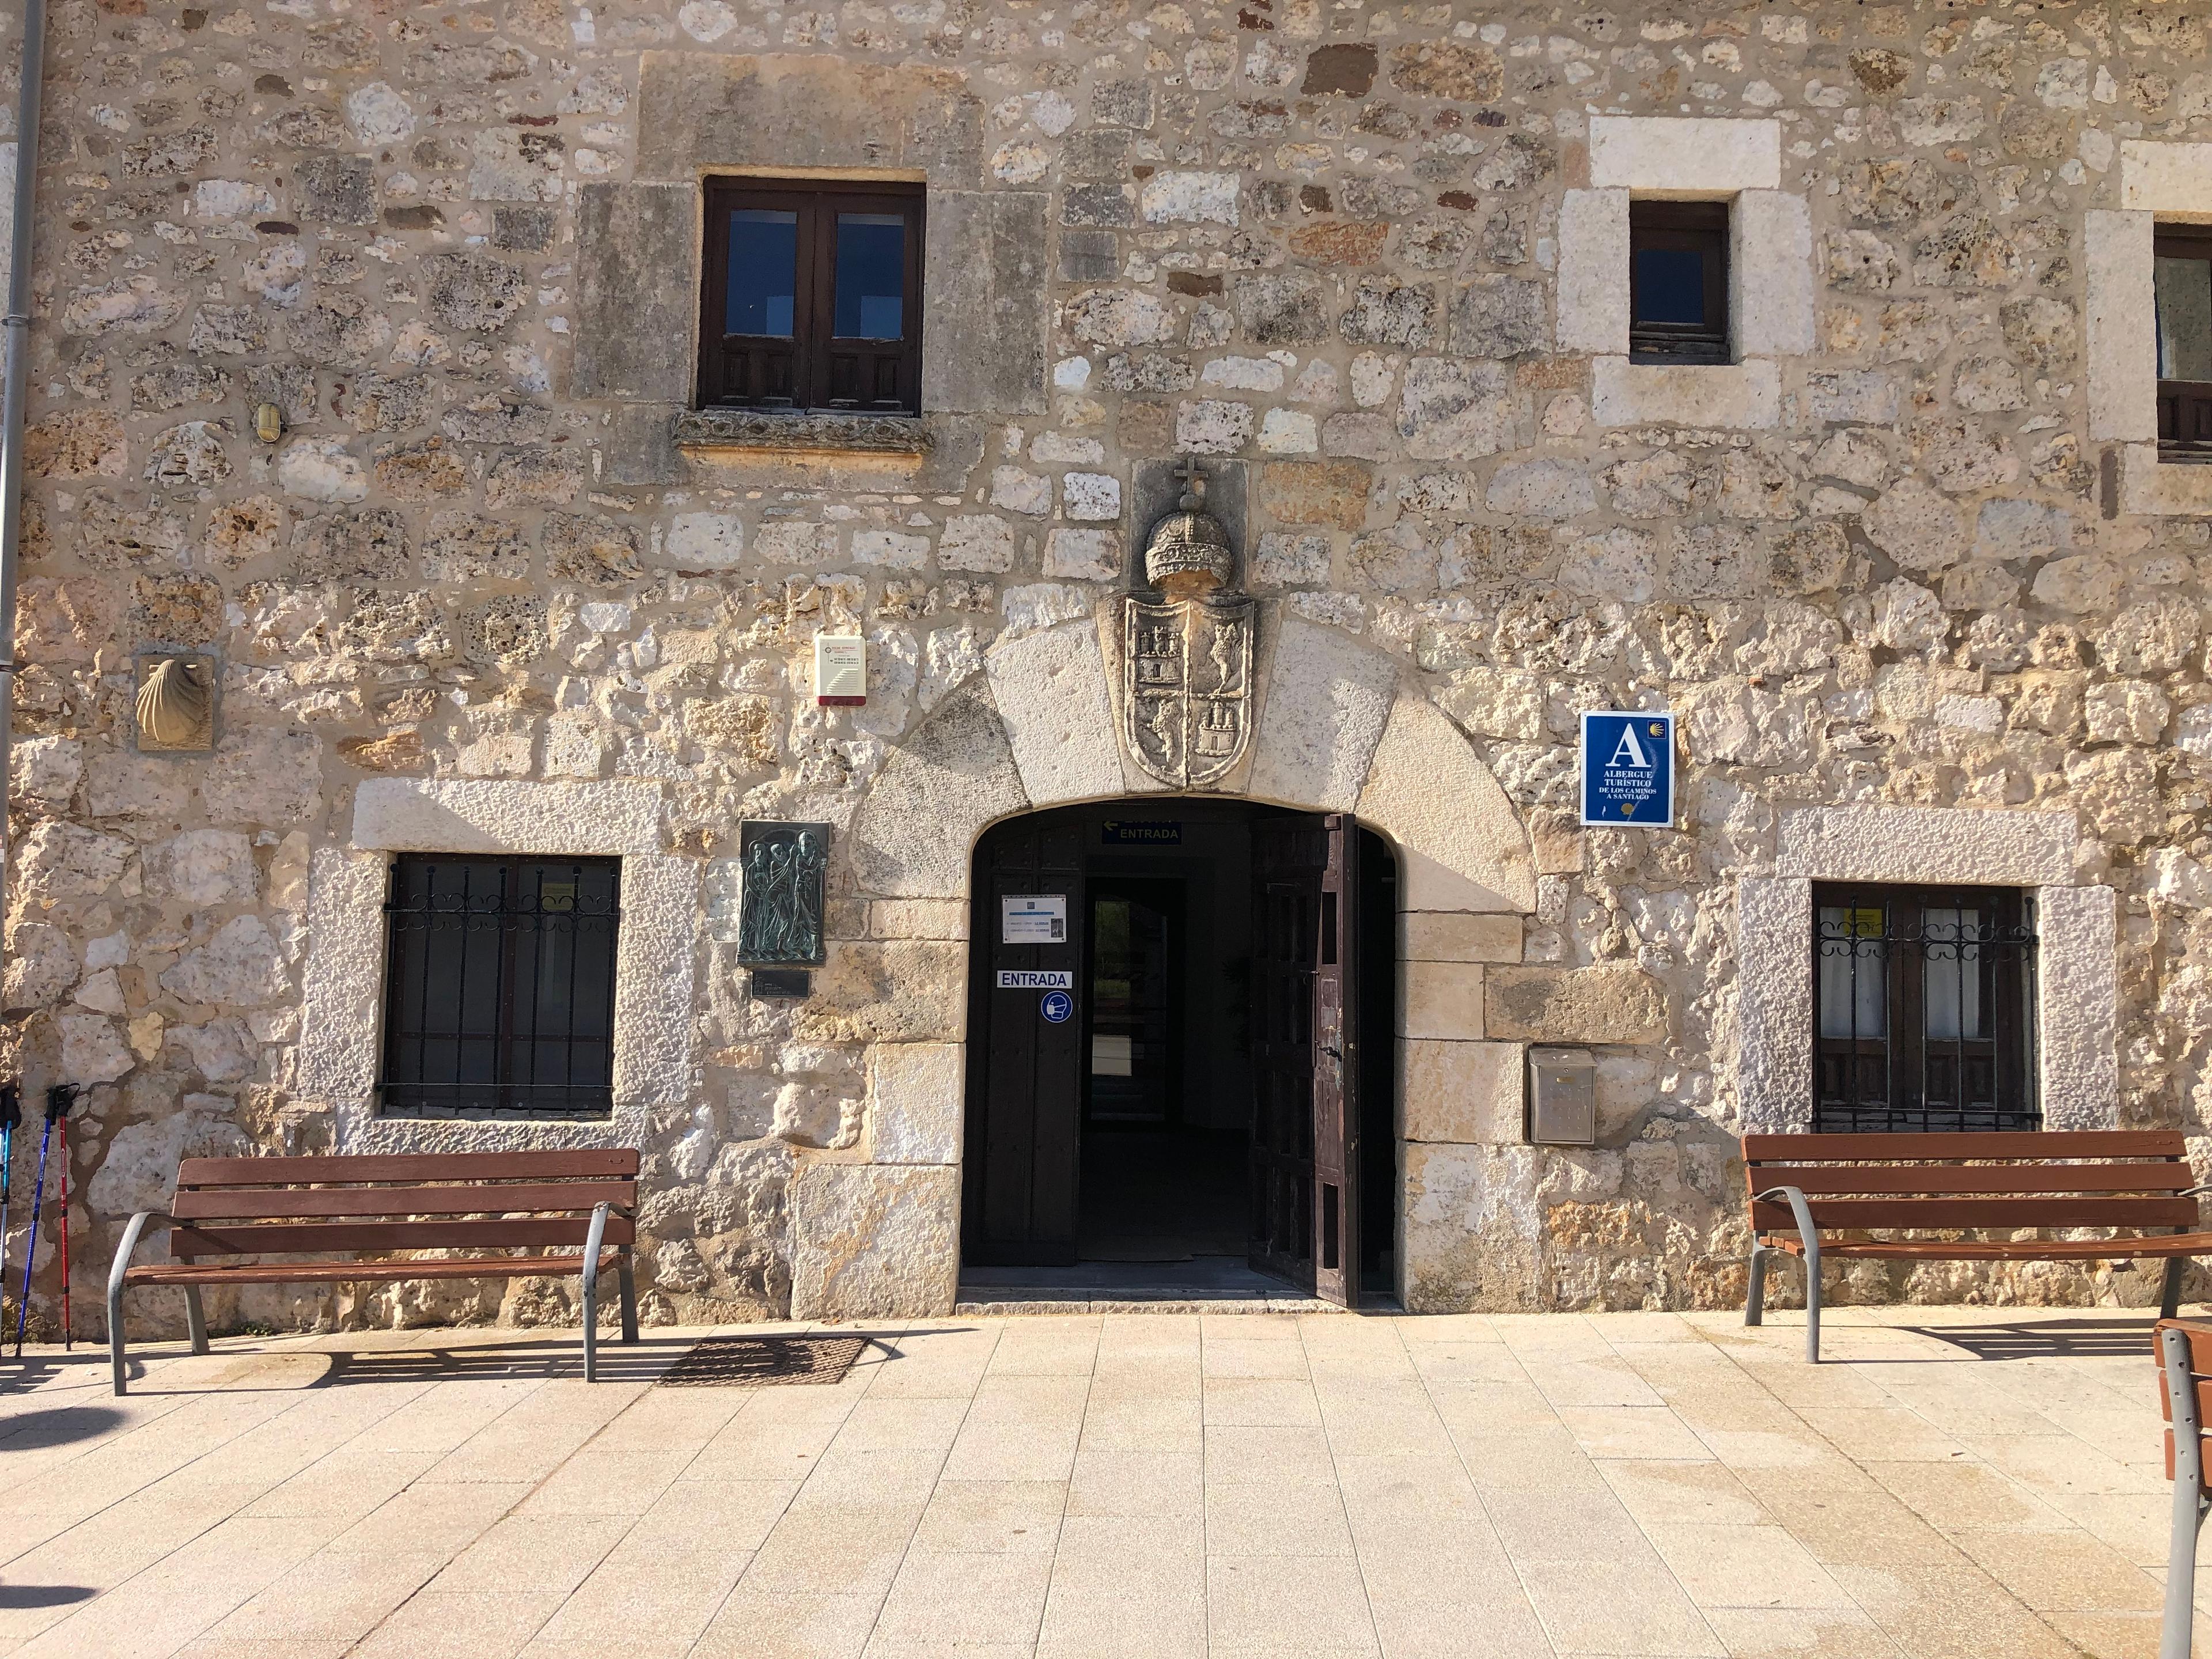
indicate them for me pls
(1678, 283)
(499, 986)
(811, 297)
(1925, 1009)
(2182, 283)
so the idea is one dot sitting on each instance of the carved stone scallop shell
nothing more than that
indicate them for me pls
(176, 706)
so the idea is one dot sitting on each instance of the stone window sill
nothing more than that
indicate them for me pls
(768, 429)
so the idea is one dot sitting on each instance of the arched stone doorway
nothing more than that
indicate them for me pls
(1341, 728)
(1181, 1016)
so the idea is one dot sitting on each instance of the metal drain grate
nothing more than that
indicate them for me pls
(750, 1362)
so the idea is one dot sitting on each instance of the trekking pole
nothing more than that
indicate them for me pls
(59, 1099)
(11, 1114)
(31, 1251)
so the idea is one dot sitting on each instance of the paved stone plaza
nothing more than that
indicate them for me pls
(1958, 1482)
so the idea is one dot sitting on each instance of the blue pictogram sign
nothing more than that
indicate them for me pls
(1628, 767)
(1056, 1006)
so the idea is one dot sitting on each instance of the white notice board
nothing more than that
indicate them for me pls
(1033, 918)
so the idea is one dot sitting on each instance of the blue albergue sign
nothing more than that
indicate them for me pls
(1628, 767)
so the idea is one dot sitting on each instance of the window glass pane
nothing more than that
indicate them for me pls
(1953, 968)
(763, 271)
(871, 276)
(1670, 285)
(1854, 987)
(2185, 319)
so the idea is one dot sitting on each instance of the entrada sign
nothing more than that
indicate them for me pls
(1628, 767)
(1037, 978)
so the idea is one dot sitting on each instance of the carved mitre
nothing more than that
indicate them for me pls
(1189, 555)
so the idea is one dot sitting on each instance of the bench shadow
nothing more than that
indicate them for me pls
(14, 1596)
(55, 1427)
(2046, 1339)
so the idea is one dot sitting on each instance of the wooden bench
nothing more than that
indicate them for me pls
(2185, 1359)
(1816, 1196)
(576, 1210)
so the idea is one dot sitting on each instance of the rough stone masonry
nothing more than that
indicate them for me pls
(1904, 556)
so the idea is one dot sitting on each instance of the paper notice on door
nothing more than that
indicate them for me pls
(1033, 918)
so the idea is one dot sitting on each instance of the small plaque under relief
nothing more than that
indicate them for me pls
(781, 984)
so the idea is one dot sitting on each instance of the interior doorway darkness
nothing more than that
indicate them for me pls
(1132, 1021)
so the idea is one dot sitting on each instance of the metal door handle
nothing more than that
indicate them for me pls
(1334, 1054)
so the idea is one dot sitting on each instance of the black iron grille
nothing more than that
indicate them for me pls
(501, 987)
(1925, 1009)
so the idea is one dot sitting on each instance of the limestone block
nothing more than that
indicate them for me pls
(1440, 1000)
(1451, 936)
(1774, 1004)
(809, 112)
(1665, 155)
(870, 1242)
(656, 981)
(1466, 1093)
(260, 774)
(636, 277)
(1472, 1230)
(1455, 409)
(1593, 279)
(1609, 1003)
(2122, 325)
(240, 965)
(342, 990)
(1328, 698)
(93, 1049)
(1928, 844)
(2156, 490)
(204, 867)
(2077, 983)
(910, 838)
(1747, 395)
(1057, 714)
(985, 307)
(140, 1165)
(480, 816)
(917, 918)
(1771, 274)
(61, 860)
(2172, 180)
(915, 1101)
(888, 990)
(1460, 845)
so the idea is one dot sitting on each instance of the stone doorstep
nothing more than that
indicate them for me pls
(1032, 1302)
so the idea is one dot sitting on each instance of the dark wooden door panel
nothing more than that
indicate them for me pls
(1025, 1096)
(1289, 857)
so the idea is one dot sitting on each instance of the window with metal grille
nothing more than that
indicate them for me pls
(1678, 283)
(812, 296)
(1925, 1009)
(499, 986)
(2182, 289)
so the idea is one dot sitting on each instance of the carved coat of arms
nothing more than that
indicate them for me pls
(1186, 657)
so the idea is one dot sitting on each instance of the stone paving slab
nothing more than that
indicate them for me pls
(1087, 1486)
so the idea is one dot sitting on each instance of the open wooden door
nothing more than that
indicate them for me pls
(1305, 1108)
(1024, 1113)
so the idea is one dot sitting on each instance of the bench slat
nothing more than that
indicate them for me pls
(328, 1273)
(2125, 1249)
(2037, 1143)
(202, 1239)
(2200, 1347)
(1945, 1213)
(611, 1162)
(242, 1203)
(1930, 1180)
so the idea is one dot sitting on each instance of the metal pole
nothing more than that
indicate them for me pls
(16, 326)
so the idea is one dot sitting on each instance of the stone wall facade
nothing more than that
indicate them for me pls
(1908, 570)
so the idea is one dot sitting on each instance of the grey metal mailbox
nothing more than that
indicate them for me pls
(1562, 1098)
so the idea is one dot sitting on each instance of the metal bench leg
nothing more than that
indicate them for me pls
(2179, 1618)
(592, 1238)
(1813, 1300)
(626, 1279)
(1754, 1300)
(195, 1319)
(2169, 1304)
(116, 1363)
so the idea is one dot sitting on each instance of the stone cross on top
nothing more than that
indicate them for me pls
(1193, 483)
